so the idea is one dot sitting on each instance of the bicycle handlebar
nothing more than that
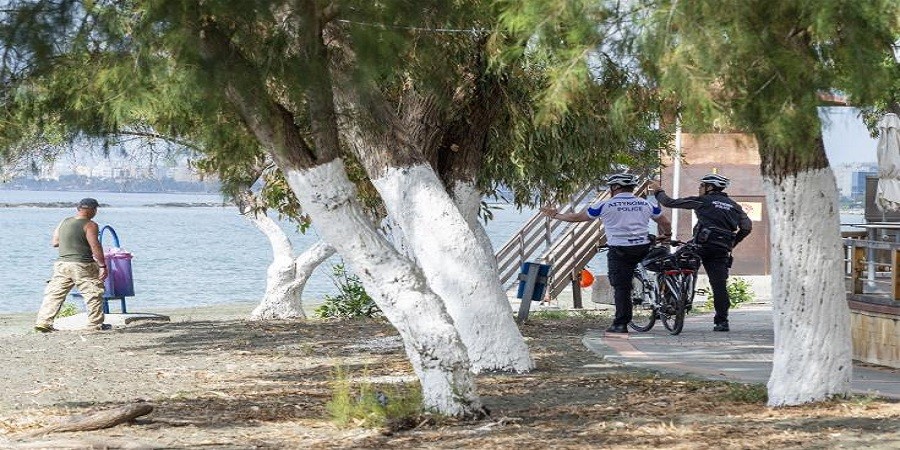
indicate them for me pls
(670, 242)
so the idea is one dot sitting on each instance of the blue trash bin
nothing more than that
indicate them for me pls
(534, 274)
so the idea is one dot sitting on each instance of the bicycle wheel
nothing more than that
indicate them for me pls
(673, 303)
(643, 313)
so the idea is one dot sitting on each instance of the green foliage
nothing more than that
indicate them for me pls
(67, 310)
(550, 314)
(368, 406)
(351, 303)
(739, 291)
(747, 393)
(760, 67)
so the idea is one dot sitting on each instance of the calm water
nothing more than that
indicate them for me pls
(181, 256)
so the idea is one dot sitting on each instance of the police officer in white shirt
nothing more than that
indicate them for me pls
(626, 221)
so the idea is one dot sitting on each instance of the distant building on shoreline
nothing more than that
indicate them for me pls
(851, 179)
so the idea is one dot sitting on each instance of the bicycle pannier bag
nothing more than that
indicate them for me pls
(686, 258)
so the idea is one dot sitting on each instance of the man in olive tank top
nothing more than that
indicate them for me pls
(80, 264)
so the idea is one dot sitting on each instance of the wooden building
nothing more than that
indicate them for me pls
(735, 156)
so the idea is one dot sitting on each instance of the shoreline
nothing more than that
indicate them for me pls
(21, 323)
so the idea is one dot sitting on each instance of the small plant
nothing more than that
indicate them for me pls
(562, 314)
(364, 405)
(67, 310)
(739, 291)
(747, 393)
(352, 302)
(550, 314)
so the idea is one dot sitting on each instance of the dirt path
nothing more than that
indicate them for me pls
(219, 382)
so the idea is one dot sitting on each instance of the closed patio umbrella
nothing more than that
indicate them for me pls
(887, 197)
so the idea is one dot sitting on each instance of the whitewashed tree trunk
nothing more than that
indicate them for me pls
(813, 355)
(400, 290)
(394, 234)
(282, 296)
(468, 199)
(457, 266)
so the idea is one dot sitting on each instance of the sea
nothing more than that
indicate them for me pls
(182, 255)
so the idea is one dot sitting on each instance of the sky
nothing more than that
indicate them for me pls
(846, 138)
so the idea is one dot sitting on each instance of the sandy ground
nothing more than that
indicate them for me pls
(218, 381)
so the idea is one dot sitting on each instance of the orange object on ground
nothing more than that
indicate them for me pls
(587, 278)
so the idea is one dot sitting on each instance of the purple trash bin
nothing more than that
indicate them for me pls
(119, 282)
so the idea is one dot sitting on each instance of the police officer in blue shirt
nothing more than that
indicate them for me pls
(626, 221)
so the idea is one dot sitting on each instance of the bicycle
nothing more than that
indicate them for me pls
(670, 293)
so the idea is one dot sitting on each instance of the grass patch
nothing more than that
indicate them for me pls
(561, 314)
(550, 314)
(746, 393)
(67, 310)
(396, 407)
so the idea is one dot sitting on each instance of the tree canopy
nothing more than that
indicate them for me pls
(97, 68)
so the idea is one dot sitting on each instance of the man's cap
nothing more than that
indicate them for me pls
(88, 203)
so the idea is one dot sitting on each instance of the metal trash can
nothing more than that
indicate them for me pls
(533, 281)
(532, 284)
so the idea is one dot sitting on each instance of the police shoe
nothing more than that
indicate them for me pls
(617, 329)
(723, 326)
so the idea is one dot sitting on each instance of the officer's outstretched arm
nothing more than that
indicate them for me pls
(664, 226)
(554, 213)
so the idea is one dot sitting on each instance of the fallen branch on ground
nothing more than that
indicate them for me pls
(95, 420)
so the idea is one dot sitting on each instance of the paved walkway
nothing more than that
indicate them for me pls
(744, 354)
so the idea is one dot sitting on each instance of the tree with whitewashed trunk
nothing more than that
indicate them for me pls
(759, 67)
(459, 268)
(431, 341)
(319, 181)
(286, 275)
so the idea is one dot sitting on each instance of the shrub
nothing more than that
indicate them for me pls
(352, 302)
(739, 291)
(364, 405)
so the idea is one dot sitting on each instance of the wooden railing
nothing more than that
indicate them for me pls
(534, 238)
(565, 246)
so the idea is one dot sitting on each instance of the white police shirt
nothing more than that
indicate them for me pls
(625, 218)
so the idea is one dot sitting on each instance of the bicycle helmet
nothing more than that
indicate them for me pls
(716, 180)
(622, 179)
